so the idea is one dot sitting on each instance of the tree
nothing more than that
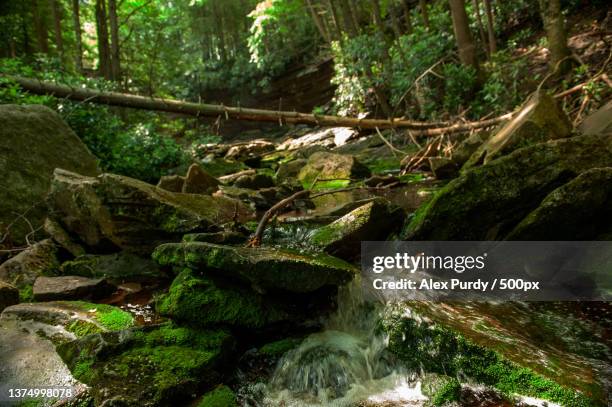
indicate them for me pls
(76, 21)
(424, 13)
(56, 12)
(40, 27)
(490, 28)
(104, 63)
(114, 30)
(463, 35)
(481, 31)
(554, 25)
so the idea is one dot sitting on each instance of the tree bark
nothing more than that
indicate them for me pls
(424, 13)
(115, 51)
(349, 25)
(317, 20)
(481, 31)
(407, 18)
(554, 25)
(40, 27)
(335, 18)
(56, 12)
(490, 27)
(239, 113)
(76, 21)
(463, 36)
(104, 64)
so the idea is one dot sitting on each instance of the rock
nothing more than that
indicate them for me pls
(116, 267)
(22, 269)
(487, 202)
(198, 181)
(331, 170)
(260, 198)
(34, 140)
(231, 178)
(70, 288)
(325, 137)
(290, 169)
(264, 268)
(375, 220)
(9, 295)
(443, 167)
(197, 300)
(111, 212)
(381, 180)
(440, 389)
(153, 366)
(254, 181)
(599, 122)
(172, 183)
(221, 396)
(223, 237)
(578, 210)
(219, 166)
(249, 150)
(62, 238)
(540, 119)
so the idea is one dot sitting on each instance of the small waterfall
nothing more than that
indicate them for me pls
(345, 364)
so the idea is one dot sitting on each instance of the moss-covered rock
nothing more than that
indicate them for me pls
(262, 267)
(218, 166)
(172, 183)
(117, 267)
(329, 170)
(40, 259)
(198, 181)
(151, 367)
(113, 212)
(222, 237)
(487, 202)
(440, 389)
(254, 181)
(375, 220)
(197, 300)
(221, 396)
(290, 169)
(540, 119)
(578, 210)
(34, 140)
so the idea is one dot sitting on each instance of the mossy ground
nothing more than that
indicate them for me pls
(222, 396)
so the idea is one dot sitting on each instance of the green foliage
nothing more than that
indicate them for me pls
(222, 396)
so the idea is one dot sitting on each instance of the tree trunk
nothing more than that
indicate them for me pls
(463, 36)
(40, 27)
(481, 31)
(349, 25)
(219, 29)
(76, 21)
(407, 18)
(424, 13)
(555, 33)
(335, 18)
(200, 109)
(115, 52)
(104, 64)
(490, 27)
(317, 20)
(56, 12)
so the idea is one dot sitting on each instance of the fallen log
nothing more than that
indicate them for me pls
(231, 112)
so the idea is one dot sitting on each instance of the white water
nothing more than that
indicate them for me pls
(344, 365)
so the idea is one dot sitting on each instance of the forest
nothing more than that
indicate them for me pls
(193, 194)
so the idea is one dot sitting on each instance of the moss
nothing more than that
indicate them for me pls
(220, 167)
(83, 370)
(383, 165)
(433, 348)
(440, 389)
(26, 294)
(222, 396)
(111, 318)
(279, 348)
(197, 300)
(81, 328)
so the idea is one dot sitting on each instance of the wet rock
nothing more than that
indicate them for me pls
(223, 237)
(112, 212)
(290, 169)
(254, 181)
(199, 301)
(70, 288)
(487, 202)
(157, 366)
(172, 183)
(375, 220)
(331, 170)
(599, 122)
(198, 181)
(9, 295)
(117, 267)
(34, 140)
(62, 238)
(22, 269)
(264, 268)
(578, 210)
(540, 119)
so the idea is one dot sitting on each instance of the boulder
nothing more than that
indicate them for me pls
(262, 267)
(254, 181)
(540, 119)
(110, 212)
(578, 210)
(150, 366)
(22, 269)
(9, 295)
(375, 220)
(331, 170)
(487, 202)
(198, 181)
(249, 150)
(70, 288)
(229, 179)
(443, 167)
(116, 267)
(197, 300)
(599, 122)
(290, 169)
(172, 183)
(62, 238)
(34, 140)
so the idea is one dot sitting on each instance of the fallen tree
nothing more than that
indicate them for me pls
(231, 112)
